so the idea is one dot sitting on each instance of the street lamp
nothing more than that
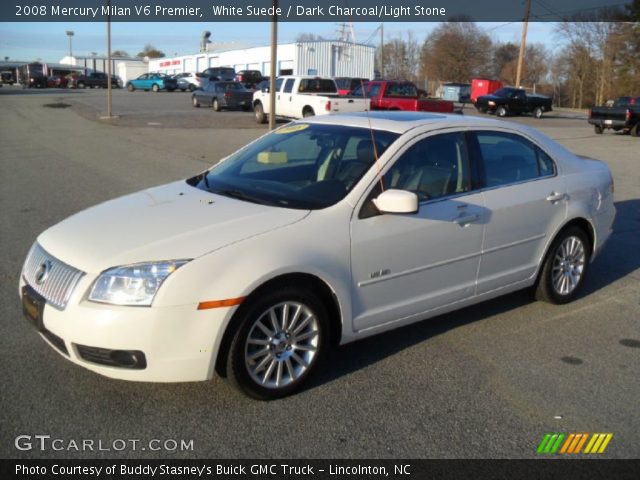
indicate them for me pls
(70, 34)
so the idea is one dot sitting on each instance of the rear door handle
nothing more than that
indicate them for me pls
(350, 101)
(555, 197)
(466, 219)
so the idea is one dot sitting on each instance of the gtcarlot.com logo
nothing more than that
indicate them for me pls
(573, 443)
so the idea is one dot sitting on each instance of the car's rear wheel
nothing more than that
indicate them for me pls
(259, 113)
(130, 87)
(279, 341)
(81, 85)
(501, 111)
(215, 105)
(598, 129)
(635, 131)
(537, 112)
(155, 87)
(308, 112)
(192, 87)
(565, 267)
(194, 101)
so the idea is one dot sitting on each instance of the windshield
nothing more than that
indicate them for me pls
(304, 166)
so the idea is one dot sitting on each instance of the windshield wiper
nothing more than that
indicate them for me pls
(240, 195)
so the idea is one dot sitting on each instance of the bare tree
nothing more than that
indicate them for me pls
(308, 37)
(402, 58)
(151, 52)
(457, 52)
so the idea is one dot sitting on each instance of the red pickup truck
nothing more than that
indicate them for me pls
(399, 95)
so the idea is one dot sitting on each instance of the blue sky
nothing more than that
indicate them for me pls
(48, 42)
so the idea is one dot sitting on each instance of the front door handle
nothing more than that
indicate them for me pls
(466, 219)
(555, 197)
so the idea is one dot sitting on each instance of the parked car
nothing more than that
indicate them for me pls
(227, 74)
(249, 78)
(624, 116)
(319, 233)
(400, 95)
(188, 81)
(305, 96)
(57, 81)
(348, 84)
(152, 81)
(96, 80)
(223, 95)
(7, 77)
(513, 101)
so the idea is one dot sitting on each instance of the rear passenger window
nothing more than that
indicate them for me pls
(288, 86)
(508, 158)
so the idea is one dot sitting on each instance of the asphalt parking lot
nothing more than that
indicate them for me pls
(485, 382)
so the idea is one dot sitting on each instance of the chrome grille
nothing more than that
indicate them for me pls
(58, 285)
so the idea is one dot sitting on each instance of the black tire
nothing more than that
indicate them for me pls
(278, 355)
(552, 272)
(537, 112)
(192, 87)
(501, 111)
(215, 104)
(308, 112)
(258, 110)
(155, 88)
(130, 87)
(635, 131)
(195, 102)
(482, 109)
(81, 85)
(598, 129)
(171, 89)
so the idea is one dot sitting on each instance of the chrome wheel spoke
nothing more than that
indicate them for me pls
(568, 265)
(282, 344)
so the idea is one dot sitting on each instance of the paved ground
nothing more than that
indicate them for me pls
(488, 381)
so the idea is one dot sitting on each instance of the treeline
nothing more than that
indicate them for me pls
(597, 61)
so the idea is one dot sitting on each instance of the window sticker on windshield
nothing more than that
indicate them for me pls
(292, 129)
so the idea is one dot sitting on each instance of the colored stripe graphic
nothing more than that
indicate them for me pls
(573, 443)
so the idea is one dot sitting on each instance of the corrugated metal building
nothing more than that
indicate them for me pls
(331, 58)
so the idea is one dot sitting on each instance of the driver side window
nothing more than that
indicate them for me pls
(435, 167)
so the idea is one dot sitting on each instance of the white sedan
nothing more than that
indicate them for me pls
(319, 233)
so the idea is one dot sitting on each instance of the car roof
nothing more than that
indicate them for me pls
(401, 122)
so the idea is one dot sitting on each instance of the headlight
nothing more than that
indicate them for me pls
(493, 104)
(132, 284)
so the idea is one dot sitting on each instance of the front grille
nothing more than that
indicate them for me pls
(56, 341)
(58, 285)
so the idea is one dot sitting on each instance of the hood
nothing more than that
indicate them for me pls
(170, 222)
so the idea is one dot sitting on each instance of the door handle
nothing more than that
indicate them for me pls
(350, 101)
(555, 197)
(466, 219)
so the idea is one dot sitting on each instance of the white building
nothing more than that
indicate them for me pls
(331, 58)
(127, 68)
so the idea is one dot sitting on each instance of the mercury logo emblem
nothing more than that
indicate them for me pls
(43, 272)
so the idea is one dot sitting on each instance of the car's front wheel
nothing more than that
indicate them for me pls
(565, 267)
(280, 338)
(130, 87)
(537, 112)
(501, 111)
(216, 105)
(194, 101)
(261, 117)
(155, 87)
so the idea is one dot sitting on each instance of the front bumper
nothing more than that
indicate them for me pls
(179, 343)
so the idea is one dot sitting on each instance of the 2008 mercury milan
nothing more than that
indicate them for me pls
(321, 232)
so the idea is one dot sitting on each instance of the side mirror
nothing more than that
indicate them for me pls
(397, 201)
(265, 89)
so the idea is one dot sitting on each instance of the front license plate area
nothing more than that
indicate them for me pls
(33, 307)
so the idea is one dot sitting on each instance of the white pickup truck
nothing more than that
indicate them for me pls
(299, 96)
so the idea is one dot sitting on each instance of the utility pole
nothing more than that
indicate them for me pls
(109, 86)
(382, 50)
(272, 70)
(523, 41)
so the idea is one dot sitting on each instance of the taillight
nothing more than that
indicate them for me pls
(227, 94)
(327, 107)
(590, 113)
(627, 115)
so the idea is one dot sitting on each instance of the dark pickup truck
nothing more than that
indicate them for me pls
(509, 101)
(95, 80)
(400, 95)
(624, 115)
